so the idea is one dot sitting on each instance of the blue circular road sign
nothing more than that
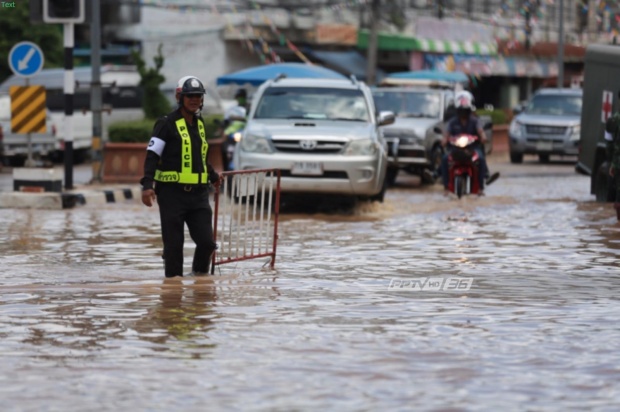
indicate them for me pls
(26, 59)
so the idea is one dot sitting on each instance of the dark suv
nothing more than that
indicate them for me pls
(548, 125)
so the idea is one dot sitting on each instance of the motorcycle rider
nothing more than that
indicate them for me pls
(465, 122)
(235, 123)
(241, 96)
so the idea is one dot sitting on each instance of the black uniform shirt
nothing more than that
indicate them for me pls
(165, 129)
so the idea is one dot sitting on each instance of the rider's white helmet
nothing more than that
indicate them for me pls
(464, 100)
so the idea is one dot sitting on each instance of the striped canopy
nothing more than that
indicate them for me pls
(406, 42)
(456, 47)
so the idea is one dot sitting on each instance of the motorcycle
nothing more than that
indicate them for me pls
(233, 131)
(463, 165)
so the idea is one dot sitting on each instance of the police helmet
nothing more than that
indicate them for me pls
(190, 85)
(241, 93)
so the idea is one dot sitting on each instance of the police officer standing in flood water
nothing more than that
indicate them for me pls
(176, 174)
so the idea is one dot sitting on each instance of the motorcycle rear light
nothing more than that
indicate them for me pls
(53, 130)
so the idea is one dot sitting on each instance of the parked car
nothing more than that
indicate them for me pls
(548, 125)
(323, 135)
(413, 144)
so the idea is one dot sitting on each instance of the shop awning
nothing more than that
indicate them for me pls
(402, 42)
(457, 47)
(526, 67)
(493, 65)
(346, 62)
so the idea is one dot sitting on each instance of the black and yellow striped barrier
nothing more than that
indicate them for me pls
(28, 110)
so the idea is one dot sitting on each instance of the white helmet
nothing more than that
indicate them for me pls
(464, 100)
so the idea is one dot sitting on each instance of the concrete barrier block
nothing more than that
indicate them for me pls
(19, 200)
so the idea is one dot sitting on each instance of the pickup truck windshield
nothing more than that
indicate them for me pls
(313, 103)
(555, 105)
(409, 103)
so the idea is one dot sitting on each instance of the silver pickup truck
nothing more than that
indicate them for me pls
(413, 144)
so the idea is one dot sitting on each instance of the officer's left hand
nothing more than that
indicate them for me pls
(214, 177)
(612, 171)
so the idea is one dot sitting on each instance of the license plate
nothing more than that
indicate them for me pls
(544, 146)
(307, 168)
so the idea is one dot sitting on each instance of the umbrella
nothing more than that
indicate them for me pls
(259, 74)
(456, 77)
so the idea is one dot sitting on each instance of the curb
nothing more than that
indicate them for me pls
(67, 200)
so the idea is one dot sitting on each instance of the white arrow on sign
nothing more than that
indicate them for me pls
(23, 63)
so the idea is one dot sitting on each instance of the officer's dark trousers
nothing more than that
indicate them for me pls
(178, 206)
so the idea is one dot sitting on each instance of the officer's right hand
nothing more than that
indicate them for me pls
(612, 171)
(148, 197)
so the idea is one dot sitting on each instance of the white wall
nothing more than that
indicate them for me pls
(192, 42)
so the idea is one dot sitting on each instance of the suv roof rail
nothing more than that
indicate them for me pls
(280, 76)
(353, 79)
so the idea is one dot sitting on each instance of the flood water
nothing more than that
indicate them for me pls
(87, 321)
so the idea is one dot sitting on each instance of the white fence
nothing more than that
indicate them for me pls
(246, 210)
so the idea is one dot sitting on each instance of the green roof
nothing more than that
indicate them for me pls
(403, 42)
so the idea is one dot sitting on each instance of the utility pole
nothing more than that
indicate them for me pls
(95, 97)
(373, 43)
(592, 21)
(528, 24)
(560, 82)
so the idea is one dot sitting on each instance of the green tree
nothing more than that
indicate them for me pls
(154, 103)
(16, 27)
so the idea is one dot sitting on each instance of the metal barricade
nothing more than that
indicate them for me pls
(245, 224)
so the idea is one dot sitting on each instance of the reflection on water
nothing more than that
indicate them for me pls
(87, 321)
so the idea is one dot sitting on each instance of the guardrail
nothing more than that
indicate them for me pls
(246, 210)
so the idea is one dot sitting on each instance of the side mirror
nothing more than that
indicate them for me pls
(386, 118)
(437, 130)
(487, 126)
(517, 109)
(449, 113)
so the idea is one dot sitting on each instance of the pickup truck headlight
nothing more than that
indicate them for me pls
(256, 144)
(516, 129)
(575, 133)
(364, 147)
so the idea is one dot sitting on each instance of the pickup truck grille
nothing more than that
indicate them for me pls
(404, 149)
(321, 147)
(545, 130)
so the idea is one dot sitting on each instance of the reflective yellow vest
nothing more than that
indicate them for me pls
(186, 176)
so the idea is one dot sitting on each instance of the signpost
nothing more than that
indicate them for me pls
(26, 59)
(28, 112)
